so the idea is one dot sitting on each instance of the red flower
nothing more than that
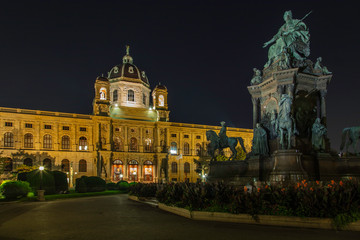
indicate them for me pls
(245, 189)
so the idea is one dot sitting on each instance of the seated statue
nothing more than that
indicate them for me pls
(319, 132)
(319, 68)
(260, 141)
(257, 78)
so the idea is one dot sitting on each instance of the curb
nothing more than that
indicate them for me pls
(283, 221)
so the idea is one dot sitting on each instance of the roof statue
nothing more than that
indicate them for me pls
(291, 44)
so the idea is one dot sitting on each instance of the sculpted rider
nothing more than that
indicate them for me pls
(222, 135)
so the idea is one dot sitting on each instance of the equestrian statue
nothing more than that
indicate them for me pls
(350, 136)
(222, 141)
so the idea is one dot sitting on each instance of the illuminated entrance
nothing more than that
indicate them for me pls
(148, 171)
(133, 170)
(118, 171)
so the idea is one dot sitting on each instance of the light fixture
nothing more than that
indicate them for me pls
(41, 168)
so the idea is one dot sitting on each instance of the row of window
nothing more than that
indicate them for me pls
(47, 141)
(65, 164)
(130, 96)
(185, 136)
(174, 167)
(186, 149)
(46, 126)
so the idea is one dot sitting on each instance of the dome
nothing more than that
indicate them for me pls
(160, 86)
(128, 71)
(104, 79)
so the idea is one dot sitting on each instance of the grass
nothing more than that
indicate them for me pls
(72, 194)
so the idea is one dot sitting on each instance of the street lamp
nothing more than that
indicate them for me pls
(41, 191)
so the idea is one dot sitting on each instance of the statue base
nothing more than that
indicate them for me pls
(229, 171)
(287, 166)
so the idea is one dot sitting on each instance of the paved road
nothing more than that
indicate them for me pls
(116, 217)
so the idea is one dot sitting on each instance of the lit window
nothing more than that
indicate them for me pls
(173, 148)
(131, 95)
(83, 144)
(115, 96)
(8, 139)
(28, 140)
(148, 145)
(174, 167)
(47, 141)
(102, 93)
(82, 165)
(161, 101)
(65, 142)
(186, 149)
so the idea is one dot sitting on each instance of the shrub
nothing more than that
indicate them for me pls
(47, 181)
(143, 189)
(61, 184)
(123, 185)
(80, 185)
(112, 186)
(95, 184)
(12, 190)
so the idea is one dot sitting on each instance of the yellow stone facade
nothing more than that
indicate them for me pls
(118, 142)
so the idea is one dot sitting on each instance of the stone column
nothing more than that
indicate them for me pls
(323, 105)
(126, 144)
(141, 145)
(255, 102)
(290, 90)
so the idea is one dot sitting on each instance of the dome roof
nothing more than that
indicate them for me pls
(160, 86)
(128, 71)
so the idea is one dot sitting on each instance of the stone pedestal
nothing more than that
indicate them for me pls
(40, 195)
(287, 166)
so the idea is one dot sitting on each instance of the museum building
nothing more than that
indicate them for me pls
(126, 138)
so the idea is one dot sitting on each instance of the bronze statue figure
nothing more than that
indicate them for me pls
(318, 135)
(222, 141)
(260, 141)
(285, 122)
(350, 136)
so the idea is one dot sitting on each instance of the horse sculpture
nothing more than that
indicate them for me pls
(350, 136)
(285, 123)
(215, 144)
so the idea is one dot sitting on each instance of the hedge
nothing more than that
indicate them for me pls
(12, 190)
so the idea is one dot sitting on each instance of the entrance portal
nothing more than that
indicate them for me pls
(117, 171)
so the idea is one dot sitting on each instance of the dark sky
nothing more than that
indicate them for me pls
(203, 51)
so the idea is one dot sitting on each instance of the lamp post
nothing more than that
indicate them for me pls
(41, 192)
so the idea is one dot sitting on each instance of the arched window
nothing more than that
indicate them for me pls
(102, 93)
(115, 95)
(83, 144)
(174, 167)
(65, 142)
(8, 165)
(82, 166)
(133, 170)
(144, 99)
(28, 162)
(47, 164)
(198, 149)
(8, 139)
(173, 148)
(117, 144)
(133, 144)
(47, 141)
(65, 165)
(131, 95)
(131, 69)
(186, 167)
(186, 149)
(148, 145)
(161, 101)
(28, 140)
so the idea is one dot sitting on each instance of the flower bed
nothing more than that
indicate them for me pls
(339, 201)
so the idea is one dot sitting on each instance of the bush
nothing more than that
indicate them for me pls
(143, 189)
(95, 184)
(80, 185)
(123, 186)
(112, 186)
(61, 184)
(47, 182)
(12, 190)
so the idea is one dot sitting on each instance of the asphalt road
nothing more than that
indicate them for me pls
(116, 217)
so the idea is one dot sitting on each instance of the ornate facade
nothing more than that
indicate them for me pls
(126, 138)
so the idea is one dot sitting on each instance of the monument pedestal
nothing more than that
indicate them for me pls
(287, 166)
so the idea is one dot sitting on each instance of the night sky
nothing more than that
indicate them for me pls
(203, 51)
